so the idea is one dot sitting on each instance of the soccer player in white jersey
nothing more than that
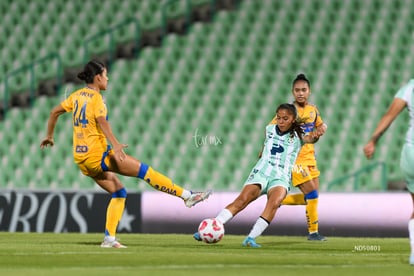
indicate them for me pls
(403, 99)
(272, 173)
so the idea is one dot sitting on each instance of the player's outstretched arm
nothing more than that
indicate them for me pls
(53, 118)
(117, 146)
(395, 108)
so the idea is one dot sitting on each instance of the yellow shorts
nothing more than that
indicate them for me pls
(95, 164)
(302, 174)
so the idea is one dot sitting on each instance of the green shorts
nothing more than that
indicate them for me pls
(266, 182)
(406, 163)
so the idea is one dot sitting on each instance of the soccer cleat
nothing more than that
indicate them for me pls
(197, 237)
(196, 197)
(316, 237)
(412, 259)
(250, 242)
(112, 244)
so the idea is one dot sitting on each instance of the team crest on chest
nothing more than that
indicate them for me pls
(312, 115)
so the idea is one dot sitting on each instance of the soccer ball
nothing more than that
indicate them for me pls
(211, 230)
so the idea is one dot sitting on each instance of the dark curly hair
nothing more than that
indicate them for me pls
(296, 126)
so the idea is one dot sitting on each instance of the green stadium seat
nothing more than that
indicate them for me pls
(225, 79)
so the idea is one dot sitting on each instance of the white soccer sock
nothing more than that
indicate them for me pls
(109, 238)
(411, 234)
(224, 216)
(186, 194)
(258, 228)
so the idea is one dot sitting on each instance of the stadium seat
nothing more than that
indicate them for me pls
(223, 79)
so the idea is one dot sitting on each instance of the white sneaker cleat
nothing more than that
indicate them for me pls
(112, 244)
(197, 197)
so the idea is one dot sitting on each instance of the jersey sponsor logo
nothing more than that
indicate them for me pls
(275, 164)
(81, 149)
(277, 149)
(308, 127)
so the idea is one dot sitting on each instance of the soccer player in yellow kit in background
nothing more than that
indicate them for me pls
(305, 174)
(97, 159)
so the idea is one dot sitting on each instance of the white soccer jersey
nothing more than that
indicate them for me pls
(407, 94)
(279, 153)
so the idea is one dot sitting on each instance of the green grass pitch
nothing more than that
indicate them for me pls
(178, 254)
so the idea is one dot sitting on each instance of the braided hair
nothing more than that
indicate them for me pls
(296, 125)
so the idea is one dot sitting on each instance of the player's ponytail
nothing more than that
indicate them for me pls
(296, 127)
(91, 69)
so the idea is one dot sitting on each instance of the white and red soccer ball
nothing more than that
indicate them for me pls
(211, 230)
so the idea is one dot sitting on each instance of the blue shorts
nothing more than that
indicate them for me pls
(406, 163)
(266, 182)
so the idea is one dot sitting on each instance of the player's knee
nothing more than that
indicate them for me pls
(312, 195)
(272, 206)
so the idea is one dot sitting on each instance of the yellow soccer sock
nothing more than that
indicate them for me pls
(294, 199)
(114, 212)
(312, 215)
(159, 181)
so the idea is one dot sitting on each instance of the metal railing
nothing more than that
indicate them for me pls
(187, 13)
(87, 53)
(164, 14)
(356, 177)
(112, 45)
(31, 68)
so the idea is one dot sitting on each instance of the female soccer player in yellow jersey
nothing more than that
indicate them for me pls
(98, 159)
(305, 174)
